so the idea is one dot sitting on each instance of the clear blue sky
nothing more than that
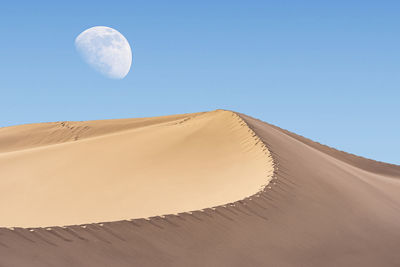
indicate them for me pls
(328, 70)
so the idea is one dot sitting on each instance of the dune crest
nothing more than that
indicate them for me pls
(69, 173)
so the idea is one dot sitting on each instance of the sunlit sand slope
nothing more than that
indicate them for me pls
(84, 172)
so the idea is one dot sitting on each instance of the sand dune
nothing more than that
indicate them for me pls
(127, 169)
(279, 199)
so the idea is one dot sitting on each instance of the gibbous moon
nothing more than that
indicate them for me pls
(106, 50)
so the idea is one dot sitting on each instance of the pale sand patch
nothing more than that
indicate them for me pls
(82, 172)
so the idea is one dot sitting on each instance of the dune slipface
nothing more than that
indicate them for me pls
(216, 189)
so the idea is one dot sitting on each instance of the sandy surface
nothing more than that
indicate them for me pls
(83, 172)
(323, 207)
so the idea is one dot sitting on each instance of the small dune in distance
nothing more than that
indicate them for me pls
(144, 192)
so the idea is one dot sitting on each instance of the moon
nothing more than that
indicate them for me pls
(106, 50)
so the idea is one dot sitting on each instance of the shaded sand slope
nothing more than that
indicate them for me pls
(321, 208)
(128, 169)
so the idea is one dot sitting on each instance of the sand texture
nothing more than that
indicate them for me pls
(205, 189)
(128, 169)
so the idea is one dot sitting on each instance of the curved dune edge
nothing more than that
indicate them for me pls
(248, 158)
(367, 164)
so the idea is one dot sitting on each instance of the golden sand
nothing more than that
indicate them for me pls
(68, 173)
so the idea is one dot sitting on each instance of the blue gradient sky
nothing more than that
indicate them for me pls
(328, 70)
